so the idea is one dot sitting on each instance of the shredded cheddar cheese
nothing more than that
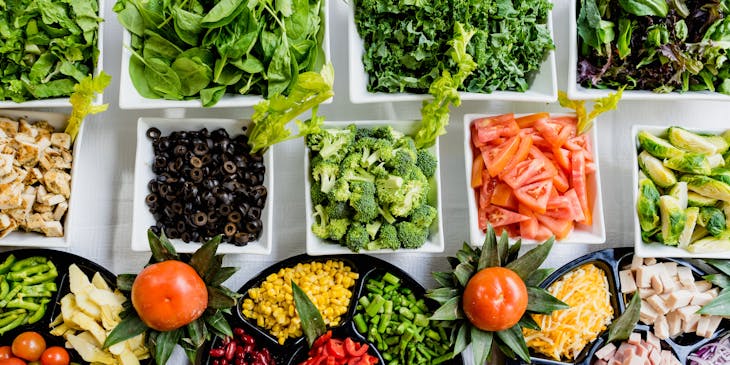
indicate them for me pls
(565, 333)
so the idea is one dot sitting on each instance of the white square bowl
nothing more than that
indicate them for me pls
(655, 249)
(129, 97)
(578, 92)
(435, 243)
(544, 87)
(594, 234)
(64, 102)
(142, 219)
(33, 239)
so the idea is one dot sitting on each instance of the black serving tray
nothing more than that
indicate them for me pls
(294, 350)
(611, 261)
(62, 260)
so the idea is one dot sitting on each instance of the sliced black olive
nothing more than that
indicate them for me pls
(234, 217)
(229, 229)
(153, 133)
(151, 200)
(200, 219)
(254, 226)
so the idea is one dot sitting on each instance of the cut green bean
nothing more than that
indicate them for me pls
(7, 264)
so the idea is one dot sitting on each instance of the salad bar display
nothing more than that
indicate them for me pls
(204, 187)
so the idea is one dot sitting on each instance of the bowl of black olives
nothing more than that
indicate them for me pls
(195, 179)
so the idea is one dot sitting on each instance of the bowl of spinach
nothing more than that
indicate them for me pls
(657, 49)
(221, 53)
(397, 50)
(48, 47)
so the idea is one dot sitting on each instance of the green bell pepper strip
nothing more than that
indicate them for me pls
(7, 264)
(28, 262)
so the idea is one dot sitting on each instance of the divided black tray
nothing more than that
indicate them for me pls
(294, 350)
(611, 261)
(62, 260)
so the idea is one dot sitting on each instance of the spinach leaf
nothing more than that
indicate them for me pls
(645, 7)
(193, 74)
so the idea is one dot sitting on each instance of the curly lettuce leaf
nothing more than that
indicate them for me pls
(82, 98)
(602, 105)
(435, 112)
(270, 118)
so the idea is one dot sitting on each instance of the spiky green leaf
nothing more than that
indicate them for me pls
(720, 280)
(512, 337)
(220, 297)
(161, 247)
(130, 326)
(222, 275)
(541, 301)
(719, 306)
(217, 321)
(503, 247)
(513, 251)
(624, 325)
(442, 295)
(531, 260)
(449, 311)
(312, 323)
(125, 281)
(722, 265)
(462, 338)
(204, 260)
(538, 276)
(490, 256)
(197, 332)
(528, 322)
(463, 273)
(445, 279)
(481, 344)
(165, 343)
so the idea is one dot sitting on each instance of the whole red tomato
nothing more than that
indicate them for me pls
(29, 346)
(55, 355)
(495, 299)
(12, 361)
(168, 295)
(5, 352)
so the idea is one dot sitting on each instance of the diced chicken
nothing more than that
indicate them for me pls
(649, 261)
(636, 263)
(6, 163)
(667, 276)
(606, 352)
(626, 279)
(53, 229)
(646, 292)
(702, 299)
(657, 303)
(685, 275)
(707, 325)
(60, 211)
(61, 140)
(661, 328)
(26, 129)
(689, 325)
(58, 182)
(10, 195)
(647, 314)
(679, 298)
(687, 313)
(657, 284)
(644, 275)
(28, 153)
(703, 285)
(9, 126)
(4, 221)
(674, 323)
(12, 227)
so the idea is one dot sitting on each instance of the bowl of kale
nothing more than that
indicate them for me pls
(654, 49)
(368, 188)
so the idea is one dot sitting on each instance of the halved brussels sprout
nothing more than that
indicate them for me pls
(656, 171)
(716, 161)
(647, 205)
(708, 186)
(699, 232)
(726, 210)
(691, 142)
(657, 147)
(679, 191)
(720, 143)
(697, 200)
(709, 244)
(651, 236)
(689, 226)
(693, 163)
(673, 220)
(713, 220)
(721, 174)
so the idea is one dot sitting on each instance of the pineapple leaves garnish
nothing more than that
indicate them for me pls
(192, 336)
(468, 261)
(312, 323)
(624, 325)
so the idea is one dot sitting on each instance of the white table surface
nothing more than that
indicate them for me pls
(103, 222)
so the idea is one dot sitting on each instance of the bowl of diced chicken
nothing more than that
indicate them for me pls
(36, 169)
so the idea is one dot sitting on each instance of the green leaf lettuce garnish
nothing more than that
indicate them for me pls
(82, 101)
(602, 105)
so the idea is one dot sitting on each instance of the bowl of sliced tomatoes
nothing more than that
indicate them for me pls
(532, 176)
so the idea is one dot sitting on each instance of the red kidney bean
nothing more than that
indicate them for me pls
(230, 351)
(217, 352)
(240, 350)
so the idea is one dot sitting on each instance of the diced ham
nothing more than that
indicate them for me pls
(653, 341)
(679, 298)
(606, 352)
(685, 275)
(667, 357)
(655, 356)
(661, 328)
(626, 278)
(634, 338)
(600, 362)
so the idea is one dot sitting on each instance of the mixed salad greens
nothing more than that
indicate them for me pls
(186, 49)
(47, 47)
(656, 45)
(405, 42)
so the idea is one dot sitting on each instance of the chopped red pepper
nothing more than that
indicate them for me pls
(332, 351)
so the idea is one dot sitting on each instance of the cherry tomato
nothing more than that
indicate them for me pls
(12, 361)
(5, 352)
(495, 299)
(55, 355)
(29, 346)
(168, 295)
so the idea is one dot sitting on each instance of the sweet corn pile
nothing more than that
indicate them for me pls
(272, 305)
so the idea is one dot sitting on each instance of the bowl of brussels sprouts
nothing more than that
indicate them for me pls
(681, 189)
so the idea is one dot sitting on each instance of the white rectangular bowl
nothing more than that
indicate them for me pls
(142, 219)
(129, 97)
(578, 92)
(655, 249)
(34, 239)
(435, 243)
(544, 87)
(595, 234)
(64, 102)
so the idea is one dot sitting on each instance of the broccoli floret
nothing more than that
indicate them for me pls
(388, 237)
(411, 235)
(325, 172)
(338, 210)
(388, 188)
(385, 213)
(406, 145)
(337, 228)
(340, 191)
(401, 163)
(372, 228)
(364, 133)
(387, 132)
(426, 162)
(413, 194)
(363, 201)
(357, 237)
(378, 170)
(321, 221)
(422, 216)
(331, 143)
(318, 197)
(357, 174)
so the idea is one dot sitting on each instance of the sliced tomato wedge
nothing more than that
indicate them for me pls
(581, 143)
(543, 233)
(549, 165)
(496, 158)
(489, 129)
(512, 230)
(535, 196)
(559, 207)
(559, 227)
(504, 197)
(578, 215)
(477, 167)
(528, 227)
(590, 167)
(523, 150)
(578, 178)
(552, 132)
(562, 157)
(560, 181)
(475, 138)
(501, 217)
(527, 172)
(484, 197)
(529, 120)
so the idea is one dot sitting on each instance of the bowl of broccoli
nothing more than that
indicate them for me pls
(369, 189)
